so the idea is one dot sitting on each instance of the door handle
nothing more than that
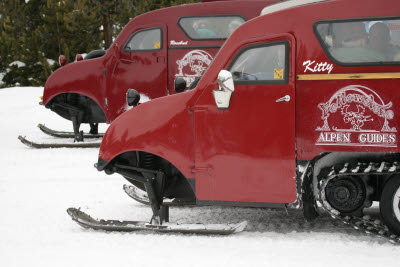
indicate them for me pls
(285, 98)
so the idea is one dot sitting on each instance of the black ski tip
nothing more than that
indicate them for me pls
(141, 196)
(133, 193)
(78, 215)
(81, 218)
(25, 141)
(240, 227)
(74, 213)
(71, 211)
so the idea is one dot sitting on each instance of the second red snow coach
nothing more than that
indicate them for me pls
(298, 112)
(151, 52)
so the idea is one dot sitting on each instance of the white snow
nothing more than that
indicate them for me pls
(19, 64)
(50, 61)
(143, 98)
(1, 77)
(37, 186)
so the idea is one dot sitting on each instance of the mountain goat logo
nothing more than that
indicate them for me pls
(193, 65)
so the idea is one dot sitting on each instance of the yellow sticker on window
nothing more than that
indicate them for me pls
(157, 45)
(278, 74)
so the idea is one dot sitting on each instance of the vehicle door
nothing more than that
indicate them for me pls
(141, 65)
(245, 151)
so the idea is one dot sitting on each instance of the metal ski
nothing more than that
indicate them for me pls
(141, 197)
(55, 145)
(88, 222)
(61, 134)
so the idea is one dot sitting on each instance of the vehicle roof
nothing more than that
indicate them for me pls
(202, 8)
(170, 15)
(299, 22)
(288, 4)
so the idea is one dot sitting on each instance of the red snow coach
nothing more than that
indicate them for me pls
(294, 112)
(152, 51)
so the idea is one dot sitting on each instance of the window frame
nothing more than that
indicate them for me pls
(125, 49)
(258, 45)
(351, 64)
(207, 16)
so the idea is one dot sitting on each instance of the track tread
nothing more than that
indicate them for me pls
(365, 223)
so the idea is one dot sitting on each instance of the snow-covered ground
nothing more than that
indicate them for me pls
(37, 186)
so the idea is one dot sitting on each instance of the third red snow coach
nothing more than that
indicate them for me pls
(296, 112)
(151, 52)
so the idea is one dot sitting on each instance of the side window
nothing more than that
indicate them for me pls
(210, 27)
(361, 42)
(267, 63)
(145, 40)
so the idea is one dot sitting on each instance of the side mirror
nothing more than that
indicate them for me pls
(132, 97)
(223, 96)
(62, 60)
(179, 84)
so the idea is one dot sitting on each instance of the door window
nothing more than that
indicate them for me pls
(145, 40)
(266, 63)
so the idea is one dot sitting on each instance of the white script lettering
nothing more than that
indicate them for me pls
(317, 67)
(173, 42)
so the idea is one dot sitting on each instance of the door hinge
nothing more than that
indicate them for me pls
(105, 72)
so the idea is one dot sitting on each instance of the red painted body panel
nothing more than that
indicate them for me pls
(217, 146)
(150, 73)
(60, 81)
(166, 130)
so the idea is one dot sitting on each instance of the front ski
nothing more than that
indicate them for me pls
(141, 197)
(88, 222)
(56, 145)
(61, 134)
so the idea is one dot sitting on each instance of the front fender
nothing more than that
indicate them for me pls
(84, 77)
(163, 127)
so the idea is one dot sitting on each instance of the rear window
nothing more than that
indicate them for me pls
(361, 42)
(210, 27)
